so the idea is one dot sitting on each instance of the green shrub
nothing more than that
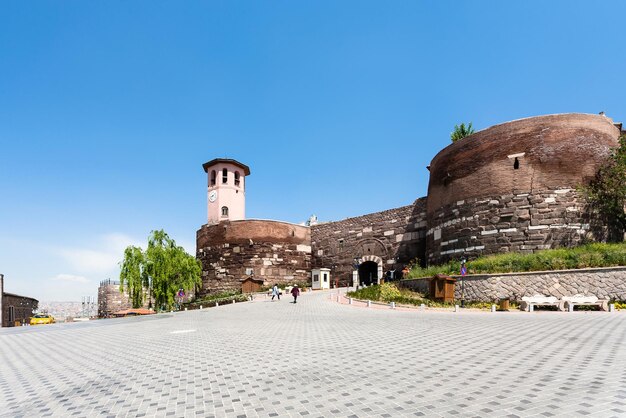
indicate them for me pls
(389, 292)
(584, 256)
(221, 295)
(366, 293)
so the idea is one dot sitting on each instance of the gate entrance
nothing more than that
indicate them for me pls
(368, 273)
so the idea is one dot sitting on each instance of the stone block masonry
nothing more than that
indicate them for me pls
(605, 283)
(270, 251)
(111, 300)
(396, 236)
(508, 188)
(523, 222)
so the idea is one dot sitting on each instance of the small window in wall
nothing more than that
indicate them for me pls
(516, 164)
(213, 177)
(316, 278)
(11, 315)
(224, 176)
(249, 271)
(341, 244)
(325, 278)
(224, 211)
(237, 181)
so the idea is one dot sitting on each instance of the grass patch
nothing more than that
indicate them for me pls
(389, 292)
(221, 297)
(584, 256)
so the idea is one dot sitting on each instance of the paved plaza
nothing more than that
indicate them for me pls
(318, 358)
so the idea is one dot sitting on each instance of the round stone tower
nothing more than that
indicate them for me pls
(238, 253)
(514, 186)
(226, 190)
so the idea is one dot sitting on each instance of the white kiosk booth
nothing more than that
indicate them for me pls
(320, 279)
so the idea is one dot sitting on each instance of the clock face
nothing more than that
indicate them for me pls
(212, 196)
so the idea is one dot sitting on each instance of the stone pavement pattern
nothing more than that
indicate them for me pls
(320, 359)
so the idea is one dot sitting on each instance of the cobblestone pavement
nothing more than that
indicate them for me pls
(318, 358)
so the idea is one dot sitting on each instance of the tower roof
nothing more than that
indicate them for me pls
(208, 164)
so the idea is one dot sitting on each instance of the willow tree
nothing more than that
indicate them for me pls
(133, 275)
(163, 269)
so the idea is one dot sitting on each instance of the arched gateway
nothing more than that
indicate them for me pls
(368, 271)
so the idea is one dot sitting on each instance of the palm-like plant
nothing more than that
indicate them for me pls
(461, 131)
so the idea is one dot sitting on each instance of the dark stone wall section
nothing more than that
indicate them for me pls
(508, 188)
(271, 251)
(521, 222)
(397, 236)
(111, 300)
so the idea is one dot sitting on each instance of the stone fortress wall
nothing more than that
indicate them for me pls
(390, 238)
(510, 187)
(513, 187)
(270, 251)
(110, 299)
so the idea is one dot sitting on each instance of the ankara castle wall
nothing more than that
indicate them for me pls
(522, 222)
(111, 300)
(276, 252)
(395, 235)
(510, 187)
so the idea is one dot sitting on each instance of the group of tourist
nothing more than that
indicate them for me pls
(295, 292)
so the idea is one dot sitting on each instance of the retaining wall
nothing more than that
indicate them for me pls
(605, 283)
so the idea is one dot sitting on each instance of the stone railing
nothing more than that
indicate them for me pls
(605, 283)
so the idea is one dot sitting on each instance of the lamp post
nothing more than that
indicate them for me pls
(463, 273)
(356, 264)
(333, 269)
(393, 268)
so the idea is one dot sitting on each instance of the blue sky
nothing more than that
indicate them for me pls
(109, 109)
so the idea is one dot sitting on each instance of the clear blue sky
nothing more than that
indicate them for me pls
(108, 110)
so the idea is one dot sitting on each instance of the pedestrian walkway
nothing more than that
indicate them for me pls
(318, 358)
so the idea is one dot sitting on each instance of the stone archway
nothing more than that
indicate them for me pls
(368, 273)
(368, 264)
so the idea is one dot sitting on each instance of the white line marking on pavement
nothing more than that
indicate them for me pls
(183, 331)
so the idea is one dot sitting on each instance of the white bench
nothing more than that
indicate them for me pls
(582, 300)
(540, 300)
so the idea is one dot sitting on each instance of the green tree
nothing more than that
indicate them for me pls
(133, 275)
(159, 271)
(606, 193)
(461, 131)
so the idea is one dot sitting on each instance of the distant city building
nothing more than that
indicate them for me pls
(511, 187)
(15, 310)
(63, 311)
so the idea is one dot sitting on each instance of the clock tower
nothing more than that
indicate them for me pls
(226, 190)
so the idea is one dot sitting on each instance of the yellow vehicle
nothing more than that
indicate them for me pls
(41, 319)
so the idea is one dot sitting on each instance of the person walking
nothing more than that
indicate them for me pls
(295, 292)
(275, 292)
